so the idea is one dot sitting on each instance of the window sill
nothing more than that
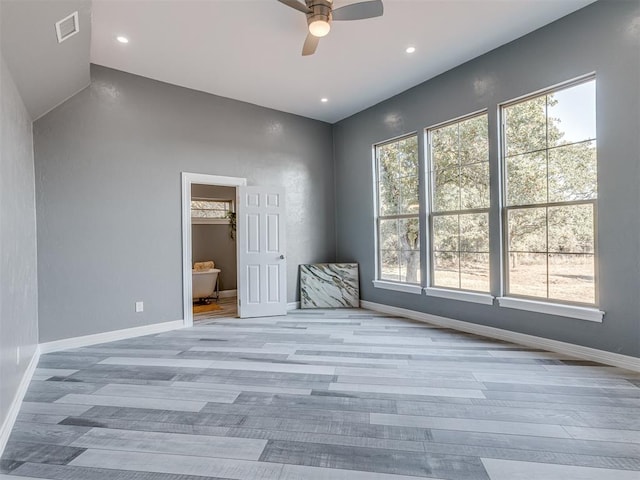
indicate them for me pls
(483, 298)
(209, 221)
(398, 287)
(581, 313)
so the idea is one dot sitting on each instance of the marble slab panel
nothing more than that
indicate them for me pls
(329, 285)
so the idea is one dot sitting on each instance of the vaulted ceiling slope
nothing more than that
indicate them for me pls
(249, 50)
(46, 72)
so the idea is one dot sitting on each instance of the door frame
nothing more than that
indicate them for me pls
(189, 179)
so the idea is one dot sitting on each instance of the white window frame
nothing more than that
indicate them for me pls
(432, 290)
(378, 282)
(211, 221)
(551, 306)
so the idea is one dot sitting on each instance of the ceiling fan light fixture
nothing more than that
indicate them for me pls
(319, 28)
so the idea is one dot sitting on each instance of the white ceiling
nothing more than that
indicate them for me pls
(249, 50)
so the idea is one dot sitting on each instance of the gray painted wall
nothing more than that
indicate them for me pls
(213, 242)
(19, 285)
(108, 165)
(602, 38)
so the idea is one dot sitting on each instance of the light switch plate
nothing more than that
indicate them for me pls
(139, 307)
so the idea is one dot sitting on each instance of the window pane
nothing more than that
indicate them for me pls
(572, 114)
(525, 126)
(389, 265)
(409, 202)
(474, 185)
(389, 196)
(527, 179)
(389, 235)
(445, 233)
(527, 230)
(398, 159)
(446, 270)
(528, 274)
(572, 278)
(409, 234)
(398, 194)
(474, 140)
(551, 161)
(474, 232)
(444, 148)
(410, 266)
(210, 208)
(571, 229)
(446, 186)
(407, 157)
(573, 172)
(474, 271)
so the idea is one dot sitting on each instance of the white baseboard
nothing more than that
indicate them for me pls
(578, 351)
(14, 408)
(112, 336)
(228, 293)
(293, 306)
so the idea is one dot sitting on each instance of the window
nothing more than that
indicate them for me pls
(459, 219)
(398, 206)
(205, 210)
(550, 172)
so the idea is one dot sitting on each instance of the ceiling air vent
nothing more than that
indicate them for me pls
(67, 27)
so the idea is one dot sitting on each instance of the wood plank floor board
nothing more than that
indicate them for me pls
(512, 470)
(47, 433)
(278, 412)
(617, 401)
(529, 444)
(286, 401)
(171, 443)
(16, 451)
(141, 402)
(347, 440)
(172, 392)
(39, 418)
(324, 395)
(404, 390)
(68, 472)
(374, 460)
(471, 425)
(178, 464)
(477, 412)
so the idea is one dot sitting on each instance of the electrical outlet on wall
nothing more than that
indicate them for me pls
(139, 307)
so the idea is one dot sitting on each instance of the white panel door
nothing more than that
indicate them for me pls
(261, 252)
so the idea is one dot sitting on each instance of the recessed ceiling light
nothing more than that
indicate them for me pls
(324, 100)
(410, 49)
(122, 39)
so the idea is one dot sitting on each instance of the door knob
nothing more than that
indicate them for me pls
(281, 257)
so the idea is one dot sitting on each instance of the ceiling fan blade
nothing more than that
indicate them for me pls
(310, 45)
(359, 11)
(296, 4)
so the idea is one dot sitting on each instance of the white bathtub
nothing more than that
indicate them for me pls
(204, 283)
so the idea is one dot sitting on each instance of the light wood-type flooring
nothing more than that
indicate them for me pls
(228, 308)
(324, 394)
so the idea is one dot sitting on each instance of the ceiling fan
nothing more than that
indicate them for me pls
(320, 13)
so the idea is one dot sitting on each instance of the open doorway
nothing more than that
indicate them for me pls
(213, 252)
(209, 244)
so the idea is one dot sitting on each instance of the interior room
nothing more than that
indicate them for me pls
(213, 251)
(189, 190)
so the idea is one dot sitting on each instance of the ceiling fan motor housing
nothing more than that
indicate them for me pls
(319, 10)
